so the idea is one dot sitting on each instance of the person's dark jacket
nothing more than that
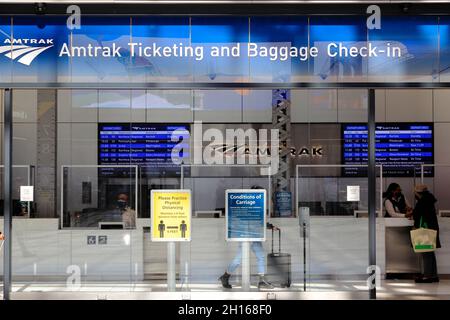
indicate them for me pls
(426, 210)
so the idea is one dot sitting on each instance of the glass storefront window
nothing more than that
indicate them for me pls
(94, 155)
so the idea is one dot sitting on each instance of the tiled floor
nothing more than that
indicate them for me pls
(390, 289)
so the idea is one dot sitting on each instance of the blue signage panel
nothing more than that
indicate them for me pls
(334, 37)
(418, 40)
(99, 51)
(245, 215)
(153, 32)
(283, 204)
(223, 49)
(444, 49)
(281, 33)
(5, 63)
(31, 47)
(231, 34)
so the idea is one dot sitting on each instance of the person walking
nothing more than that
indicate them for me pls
(258, 250)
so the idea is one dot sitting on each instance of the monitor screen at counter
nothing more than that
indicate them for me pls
(149, 146)
(401, 148)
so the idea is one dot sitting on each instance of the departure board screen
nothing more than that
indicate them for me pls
(150, 146)
(400, 148)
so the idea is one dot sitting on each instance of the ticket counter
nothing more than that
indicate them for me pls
(337, 248)
(401, 260)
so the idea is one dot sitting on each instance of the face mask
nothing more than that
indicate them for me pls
(121, 204)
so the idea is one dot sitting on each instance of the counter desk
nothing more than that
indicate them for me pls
(401, 260)
(337, 247)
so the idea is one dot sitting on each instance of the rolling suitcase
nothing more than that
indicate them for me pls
(279, 266)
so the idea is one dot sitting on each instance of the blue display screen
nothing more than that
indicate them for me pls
(401, 148)
(156, 149)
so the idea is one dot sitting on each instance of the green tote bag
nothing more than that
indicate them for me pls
(423, 239)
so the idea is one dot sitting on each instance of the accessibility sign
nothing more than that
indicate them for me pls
(245, 215)
(171, 215)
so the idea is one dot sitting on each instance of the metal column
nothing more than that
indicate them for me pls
(171, 267)
(246, 266)
(281, 120)
(372, 187)
(7, 182)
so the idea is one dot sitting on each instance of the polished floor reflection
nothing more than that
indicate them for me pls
(340, 290)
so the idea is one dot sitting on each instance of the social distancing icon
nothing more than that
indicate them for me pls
(171, 215)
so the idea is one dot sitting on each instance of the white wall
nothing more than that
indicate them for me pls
(220, 106)
(257, 106)
(169, 106)
(409, 105)
(350, 105)
(441, 105)
(310, 105)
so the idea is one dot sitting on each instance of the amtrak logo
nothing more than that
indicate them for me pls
(25, 50)
(230, 150)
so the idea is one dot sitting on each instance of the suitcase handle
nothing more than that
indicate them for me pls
(279, 240)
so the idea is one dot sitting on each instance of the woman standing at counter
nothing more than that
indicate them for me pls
(425, 214)
(395, 203)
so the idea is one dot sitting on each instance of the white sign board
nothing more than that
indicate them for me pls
(26, 193)
(353, 193)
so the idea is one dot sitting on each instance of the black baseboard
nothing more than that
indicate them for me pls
(401, 276)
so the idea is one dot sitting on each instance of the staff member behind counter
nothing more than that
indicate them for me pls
(128, 215)
(395, 203)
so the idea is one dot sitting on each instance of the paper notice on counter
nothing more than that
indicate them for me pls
(26, 193)
(353, 193)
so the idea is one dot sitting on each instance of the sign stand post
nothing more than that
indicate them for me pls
(304, 221)
(186, 273)
(246, 266)
(171, 274)
(304, 256)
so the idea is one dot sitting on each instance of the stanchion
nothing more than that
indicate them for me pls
(171, 274)
(304, 224)
(304, 256)
(246, 266)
